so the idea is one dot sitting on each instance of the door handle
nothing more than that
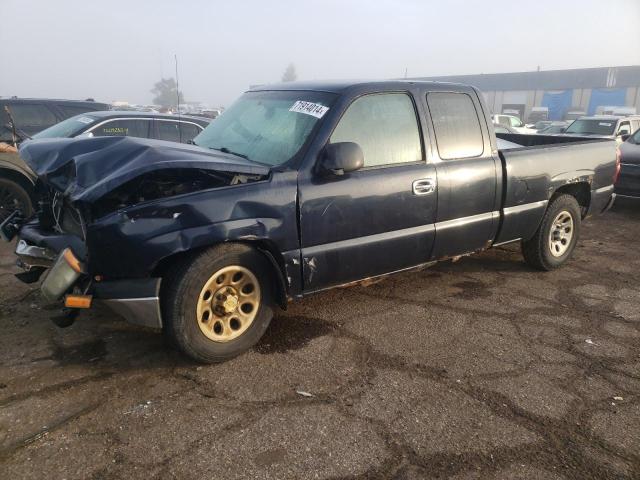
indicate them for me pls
(424, 186)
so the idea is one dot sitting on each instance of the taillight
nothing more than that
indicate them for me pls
(616, 174)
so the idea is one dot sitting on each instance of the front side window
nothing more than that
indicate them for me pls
(267, 127)
(123, 128)
(625, 128)
(385, 126)
(67, 128)
(456, 124)
(515, 122)
(174, 131)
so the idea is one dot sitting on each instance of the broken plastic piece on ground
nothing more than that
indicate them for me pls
(304, 394)
(589, 341)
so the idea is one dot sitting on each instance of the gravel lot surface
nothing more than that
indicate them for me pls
(479, 369)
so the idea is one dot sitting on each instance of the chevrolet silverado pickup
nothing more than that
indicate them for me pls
(296, 188)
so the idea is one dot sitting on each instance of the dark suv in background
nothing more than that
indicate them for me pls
(32, 115)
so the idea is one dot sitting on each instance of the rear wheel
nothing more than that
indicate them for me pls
(219, 303)
(13, 196)
(556, 238)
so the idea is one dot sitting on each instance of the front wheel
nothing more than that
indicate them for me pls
(219, 303)
(556, 238)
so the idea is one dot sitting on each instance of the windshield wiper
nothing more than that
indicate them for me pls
(226, 150)
(241, 155)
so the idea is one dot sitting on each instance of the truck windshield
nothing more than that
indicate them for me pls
(592, 127)
(66, 128)
(267, 127)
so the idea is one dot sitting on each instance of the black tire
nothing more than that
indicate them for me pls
(537, 250)
(14, 196)
(181, 294)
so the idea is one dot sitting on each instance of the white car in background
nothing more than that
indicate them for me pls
(513, 122)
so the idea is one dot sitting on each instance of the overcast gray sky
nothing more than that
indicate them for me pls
(117, 50)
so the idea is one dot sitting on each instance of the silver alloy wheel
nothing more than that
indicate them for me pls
(561, 233)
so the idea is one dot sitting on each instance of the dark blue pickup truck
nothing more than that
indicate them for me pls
(295, 189)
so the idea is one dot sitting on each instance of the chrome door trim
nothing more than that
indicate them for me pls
(457, 222)
(524, 207)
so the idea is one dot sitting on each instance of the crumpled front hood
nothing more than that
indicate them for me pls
(84, 169)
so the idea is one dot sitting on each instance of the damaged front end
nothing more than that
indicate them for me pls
(105, 202)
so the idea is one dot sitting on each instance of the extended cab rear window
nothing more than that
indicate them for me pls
(456, 124)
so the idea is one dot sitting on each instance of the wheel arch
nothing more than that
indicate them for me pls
(17, 176)
(580, 190)
(264, 246)
(21, 180)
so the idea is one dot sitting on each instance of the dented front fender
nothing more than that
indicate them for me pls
(131, 242)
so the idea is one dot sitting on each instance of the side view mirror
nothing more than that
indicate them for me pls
(624, 136)
(340, 158)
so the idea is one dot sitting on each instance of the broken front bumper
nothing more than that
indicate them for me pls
(57, 257)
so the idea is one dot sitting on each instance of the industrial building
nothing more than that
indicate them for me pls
(559, 94)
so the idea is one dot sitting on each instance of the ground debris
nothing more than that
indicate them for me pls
(304, 393)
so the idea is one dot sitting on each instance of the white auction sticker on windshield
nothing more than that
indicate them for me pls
(85, 120)
(603, 124)
(309, 108)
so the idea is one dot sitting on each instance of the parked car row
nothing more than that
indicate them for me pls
(511, 121)
(539, 114)
(17, 181)
(32, 115)
(625, 130)
(604, 126)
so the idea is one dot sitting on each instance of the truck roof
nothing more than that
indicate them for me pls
(340, 86)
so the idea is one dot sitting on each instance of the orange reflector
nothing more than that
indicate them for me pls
(71, 259)
(78, 301)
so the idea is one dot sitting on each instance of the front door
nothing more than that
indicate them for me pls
(378, 219)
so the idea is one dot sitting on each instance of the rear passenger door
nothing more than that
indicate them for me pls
(468, 212)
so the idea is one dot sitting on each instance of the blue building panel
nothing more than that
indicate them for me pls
(606, 97)
(558, 103)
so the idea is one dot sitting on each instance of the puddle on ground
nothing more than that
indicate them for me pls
(291, 333)
(78, 354)
(471, 290)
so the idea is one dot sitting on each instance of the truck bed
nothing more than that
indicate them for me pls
(584, 165)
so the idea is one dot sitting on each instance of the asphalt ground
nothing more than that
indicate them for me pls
(479, 369)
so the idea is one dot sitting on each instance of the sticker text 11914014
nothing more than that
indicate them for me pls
(309, 108)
